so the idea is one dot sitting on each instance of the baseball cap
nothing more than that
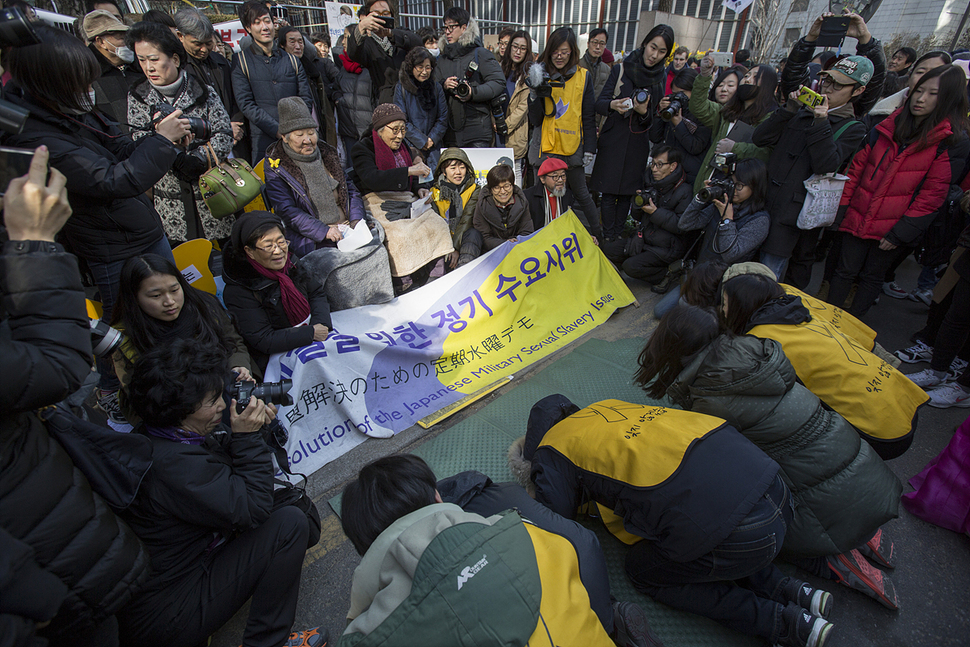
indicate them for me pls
(101, 22)
(851, 69)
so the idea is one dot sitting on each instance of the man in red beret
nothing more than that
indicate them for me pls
(550, 198)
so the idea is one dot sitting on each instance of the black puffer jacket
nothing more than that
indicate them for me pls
(843, 491)
(661, 234)
(107, 177)
(355, 105)
(64, 551)
(256, 306)
(383, 67)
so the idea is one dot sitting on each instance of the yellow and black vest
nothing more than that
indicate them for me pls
(562, 129)
(836, 317)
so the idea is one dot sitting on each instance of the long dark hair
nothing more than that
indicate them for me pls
(764, 101)
(145, 332)
(737, 70)
(754, 173)
(664, 31)
(745, 295)
(681, 332)
(951, 103)
(516, 70)
(57, 72)
(556, 39)
(700, 286)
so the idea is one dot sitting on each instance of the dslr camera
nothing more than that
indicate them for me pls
(721, 188)
(464, 89)
(497, 107)
(104, 338)
(678, 101)
(640, 96)
(645, 196)
(199, 127)
(271, 392)
(539, 80)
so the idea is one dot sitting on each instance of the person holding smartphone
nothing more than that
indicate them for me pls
(377, 45)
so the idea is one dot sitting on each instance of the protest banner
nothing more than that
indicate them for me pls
(231, 33)
(483, 159)
(339, 16)
(384, 367)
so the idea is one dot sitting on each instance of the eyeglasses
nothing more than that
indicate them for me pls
(382, 14)
(598, 43)
(400, 130)
(451, 28)
(828, 84)
(556, 177)
(423, 68)
(280, 245)
(739, 185)
(656, 164)
(505, 187)
(519, 48)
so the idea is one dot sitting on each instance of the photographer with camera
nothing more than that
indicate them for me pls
(730, 210)
(378, 46)
(561, 112)
(217, 533)
(473, 82)
(63, 585)
(678, 128)
(629, 100)
(177, 197)
(107, 172)
(813, 134)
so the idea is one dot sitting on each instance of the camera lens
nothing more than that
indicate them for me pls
(638, 200)
(104, 338)
(710, 193)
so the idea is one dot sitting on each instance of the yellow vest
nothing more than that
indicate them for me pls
(562, 130)
(837, 317)
(636, 444)
(872, 395)
(565, 616)
(443, 205)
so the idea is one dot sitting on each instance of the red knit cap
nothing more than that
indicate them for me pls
(550, 165)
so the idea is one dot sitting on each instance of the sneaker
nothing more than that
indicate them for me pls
(670, 280)
(852, 570)
(817, 601)
(949, 395)
(922, 296)
(957, 367)
(316, 637)
(928, 378)
(108, 402)
(893, 290)
(918, 352)
(802, 629)
(823, 291)
(879, 550)
(630, 628)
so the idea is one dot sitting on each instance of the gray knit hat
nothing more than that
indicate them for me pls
(294, 115)
(386, 113)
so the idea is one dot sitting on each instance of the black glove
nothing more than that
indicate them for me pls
(188, 167)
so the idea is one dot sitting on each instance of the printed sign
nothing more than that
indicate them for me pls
(339, 16)
(231, 33)
(385, 367)
(483, 159)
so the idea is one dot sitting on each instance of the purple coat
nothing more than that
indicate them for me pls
(289, 198)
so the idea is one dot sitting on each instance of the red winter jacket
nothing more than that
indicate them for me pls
(884, 193)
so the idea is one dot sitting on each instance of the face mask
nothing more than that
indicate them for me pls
(746, 92)
(434, 52)
(125, 54)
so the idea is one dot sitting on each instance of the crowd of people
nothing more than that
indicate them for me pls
(702, 181)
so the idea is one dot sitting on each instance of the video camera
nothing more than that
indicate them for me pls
(723, 188)
(198, 126)
(539, 80)
(15, 31)
(678, 101)
(270, 392)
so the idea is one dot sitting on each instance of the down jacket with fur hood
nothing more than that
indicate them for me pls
(422, 124)
(843, 491)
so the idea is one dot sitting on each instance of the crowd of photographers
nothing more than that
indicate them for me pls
(668, 161)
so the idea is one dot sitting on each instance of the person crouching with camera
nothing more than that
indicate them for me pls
(216, 534)
(177, 197)
(659, 241)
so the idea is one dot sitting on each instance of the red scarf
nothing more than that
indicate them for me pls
(295, 304)
(387, 159)
(351, 66)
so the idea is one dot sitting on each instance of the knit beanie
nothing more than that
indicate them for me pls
(294, 115)
(386, 113)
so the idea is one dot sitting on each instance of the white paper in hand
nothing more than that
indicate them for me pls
(420, 206)
(355, 238)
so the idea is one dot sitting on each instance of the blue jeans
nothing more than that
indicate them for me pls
(775, 263)
(667, 303)
(106, 277)
(736, 583)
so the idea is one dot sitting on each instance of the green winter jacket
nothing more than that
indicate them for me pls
(468, 191)
(843, 491)
(709, 113)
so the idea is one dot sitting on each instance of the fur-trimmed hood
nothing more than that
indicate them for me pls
(545, 414)
(466, 42)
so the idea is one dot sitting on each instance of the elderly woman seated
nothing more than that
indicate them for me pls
(319, 206)
(217, 532)
(387, 171)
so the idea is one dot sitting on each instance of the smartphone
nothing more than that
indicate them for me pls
(14, 163)
(388, 22)
(722, 59)
(809, 97)
(833, 31)
(628, 103)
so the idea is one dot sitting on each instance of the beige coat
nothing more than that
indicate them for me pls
(517, 119)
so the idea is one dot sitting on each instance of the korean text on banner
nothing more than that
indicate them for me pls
(385, 367)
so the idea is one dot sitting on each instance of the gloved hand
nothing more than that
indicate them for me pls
(587, 158)
(188, 167)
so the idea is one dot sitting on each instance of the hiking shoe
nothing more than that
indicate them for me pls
(817, 601)
(921, 296)
(957, 367)
(893, 290)
(823, 291)
(670, 280)
(630, 628)
(928, 378)
(108, 402)
(918, 352)
(802, 629)
(316, 637)
(949, 395)
(852, 570)
(879, 550)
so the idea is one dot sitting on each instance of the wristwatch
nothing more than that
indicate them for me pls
(725, 221)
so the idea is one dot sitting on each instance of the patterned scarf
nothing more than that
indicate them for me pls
(175, 434)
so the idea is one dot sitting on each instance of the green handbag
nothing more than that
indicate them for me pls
(229, 186)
